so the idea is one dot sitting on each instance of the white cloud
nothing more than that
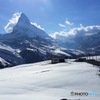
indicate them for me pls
(62, 34)
(12, 22)
(79, 31)
(81, 25)
(88, 30)
(61, 25)
(55, 35)
(68, 22)
(38, 26)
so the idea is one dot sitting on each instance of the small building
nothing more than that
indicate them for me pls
(80, 59)
(57, 60)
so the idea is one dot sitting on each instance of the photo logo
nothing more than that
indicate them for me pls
(84, 93)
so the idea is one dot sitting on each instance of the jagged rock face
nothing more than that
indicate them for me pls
(32, 56)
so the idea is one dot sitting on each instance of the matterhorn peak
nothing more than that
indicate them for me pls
(23, 27)
(23, 19)
(22, 24)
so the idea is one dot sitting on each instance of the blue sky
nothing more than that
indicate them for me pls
(52, 15)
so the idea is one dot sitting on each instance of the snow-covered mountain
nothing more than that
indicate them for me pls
(30, 44)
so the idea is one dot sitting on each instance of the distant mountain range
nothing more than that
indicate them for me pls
(29, 44)
(86, 39)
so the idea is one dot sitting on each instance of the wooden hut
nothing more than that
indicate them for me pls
(57, 60)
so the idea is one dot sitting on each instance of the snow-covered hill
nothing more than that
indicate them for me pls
(45, 81)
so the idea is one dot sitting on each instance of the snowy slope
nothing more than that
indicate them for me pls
(4, 63)
(9, 56)
(45, 81)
